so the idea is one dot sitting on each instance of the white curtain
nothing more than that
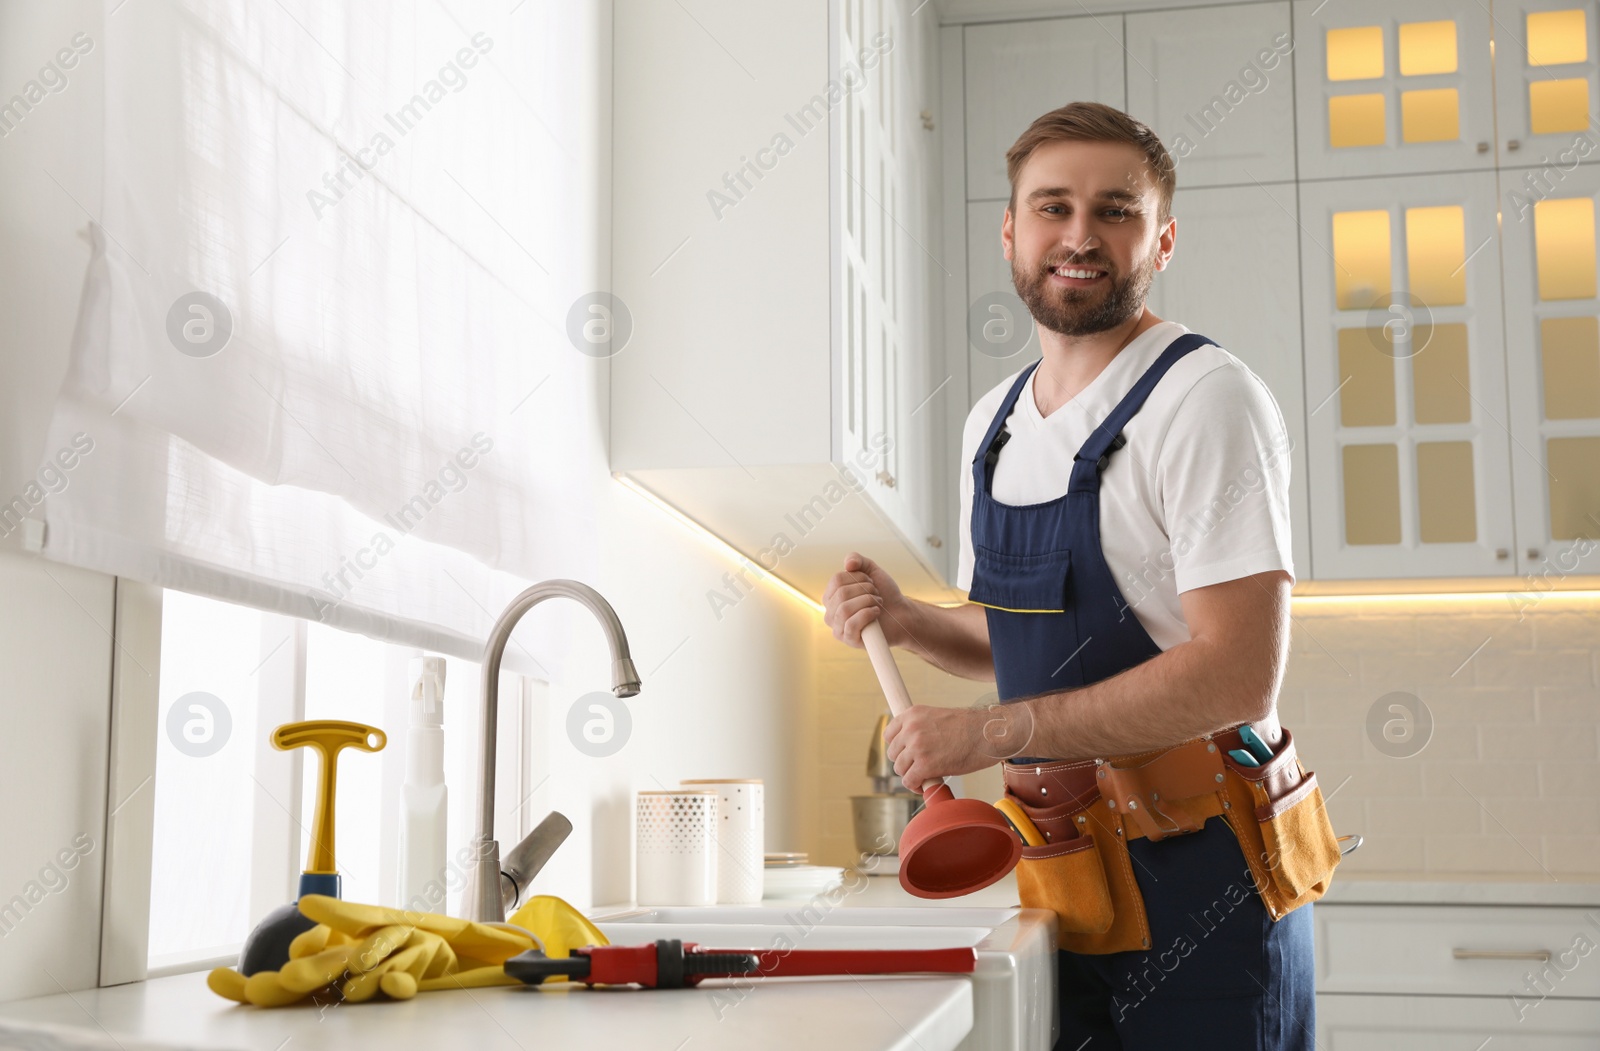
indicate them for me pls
(322, 363)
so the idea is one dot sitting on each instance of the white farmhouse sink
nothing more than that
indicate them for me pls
(1013, 989)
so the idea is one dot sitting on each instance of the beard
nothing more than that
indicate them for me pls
(1084, 311)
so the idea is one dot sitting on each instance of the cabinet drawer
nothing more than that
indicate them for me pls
(1453, 1023)
(1533, 953)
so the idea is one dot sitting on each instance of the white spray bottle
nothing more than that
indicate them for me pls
(423, 798)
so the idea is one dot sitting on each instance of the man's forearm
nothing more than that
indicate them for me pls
(1188, 690)
(954, 639)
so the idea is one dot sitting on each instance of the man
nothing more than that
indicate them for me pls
(1125, 545)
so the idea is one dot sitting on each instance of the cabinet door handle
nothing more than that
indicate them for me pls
(1502, 553)
(1513, 144)
(1533, 553)
(1483, 147)
(886, 478)
(935, 543)
(1542, 955)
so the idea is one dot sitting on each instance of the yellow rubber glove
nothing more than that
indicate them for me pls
(559, 927)
(362, 949)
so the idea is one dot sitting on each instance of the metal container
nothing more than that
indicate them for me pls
(879, 819)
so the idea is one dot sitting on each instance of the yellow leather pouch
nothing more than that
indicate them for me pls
(1278, 813)
(1083, 874)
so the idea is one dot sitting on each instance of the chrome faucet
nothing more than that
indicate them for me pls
(486, 898)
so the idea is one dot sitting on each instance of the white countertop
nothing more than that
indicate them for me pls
(917, 1013)
(1379, 888)
(902, 1014)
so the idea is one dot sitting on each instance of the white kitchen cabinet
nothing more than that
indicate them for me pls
(774, 180)
(1438, 977)
(1244, 292)
(1217, 84)
(1553, 372)
(1453, 1023)
(1405, 378)
(1545, 80)
(1016, 72)
(1387, 88)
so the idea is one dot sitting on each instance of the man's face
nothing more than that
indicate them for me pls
(1085, 242)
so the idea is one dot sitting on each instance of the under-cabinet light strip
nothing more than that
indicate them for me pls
(720, 545)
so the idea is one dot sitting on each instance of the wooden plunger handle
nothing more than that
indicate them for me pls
(894, 687)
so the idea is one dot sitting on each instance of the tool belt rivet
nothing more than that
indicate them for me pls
(1081, 820)
(1211, 748)
(1133, 804)
(1154, 796)
(1044, 791)
(1219, 778)
(1227, 805)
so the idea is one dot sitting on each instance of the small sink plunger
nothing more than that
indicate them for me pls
(267, 948)
(952, 846)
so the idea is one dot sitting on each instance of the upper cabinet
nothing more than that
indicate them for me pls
(1223, 101)
(1017, 71)
(774, 170)
(1545, 81)
(1387, 88)
(1405, 378)
(1553, 369)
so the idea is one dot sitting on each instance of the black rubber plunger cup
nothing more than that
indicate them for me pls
(953, 846)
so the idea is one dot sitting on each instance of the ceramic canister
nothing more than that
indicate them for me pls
(676, 853)
(739, 839)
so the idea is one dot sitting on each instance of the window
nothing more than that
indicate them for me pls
(235, 815)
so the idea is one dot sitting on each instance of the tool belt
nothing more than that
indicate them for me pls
(1078, 817)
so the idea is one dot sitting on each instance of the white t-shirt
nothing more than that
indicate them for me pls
(1198, 496)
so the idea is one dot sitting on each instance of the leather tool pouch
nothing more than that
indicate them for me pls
(1082, 873)
(1277, 812)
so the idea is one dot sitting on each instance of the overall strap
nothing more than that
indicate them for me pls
(995, 438)
(1107, 438)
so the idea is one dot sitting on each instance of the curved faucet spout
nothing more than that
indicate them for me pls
(485, 903)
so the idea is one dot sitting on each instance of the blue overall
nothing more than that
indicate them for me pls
(1220, 973)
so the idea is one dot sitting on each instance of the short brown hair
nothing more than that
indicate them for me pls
(1095, 122)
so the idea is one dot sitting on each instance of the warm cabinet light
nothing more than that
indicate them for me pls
(1361, 255)
(1436, 254)
(1356, 120)
(716, 543)
(1427, 48)
(1563, 234)
(1557, 38)
(1355, 53)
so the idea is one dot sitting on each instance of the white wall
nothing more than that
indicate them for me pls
(55, 647)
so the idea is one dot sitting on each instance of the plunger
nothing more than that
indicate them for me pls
(953, 846)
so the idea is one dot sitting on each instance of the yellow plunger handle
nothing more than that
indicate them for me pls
(329, 737)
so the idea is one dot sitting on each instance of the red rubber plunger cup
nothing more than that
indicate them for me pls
(953, 846)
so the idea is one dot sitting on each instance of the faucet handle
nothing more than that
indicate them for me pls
(524, 860)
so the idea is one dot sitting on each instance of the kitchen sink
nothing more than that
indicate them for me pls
(820, 914)
(1013, 989)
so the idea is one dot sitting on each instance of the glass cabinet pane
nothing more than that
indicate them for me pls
(1371, 494)
(1427, 47)
(1557, 38)
(1430, 116)
(1570, 355)
(1355, 120)
(1558, 105)
(1355, 53)
(1436, 255)
(1361, 258)
(1574, 465)
(1447, 508)
(1441, 378)
(1563, 233)
(1366, 379)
